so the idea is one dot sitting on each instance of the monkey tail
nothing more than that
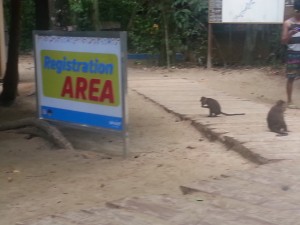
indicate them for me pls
(233, 114)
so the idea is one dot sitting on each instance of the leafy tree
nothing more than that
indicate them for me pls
(145, 31)
(147, 22)
(190, 17)
(82, 11)
(28, 23)
(11, 76)
(167, 27)
(117, 11)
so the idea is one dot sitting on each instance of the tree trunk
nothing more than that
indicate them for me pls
(52, 132)
(96, 15)
(166, 30)
(11, 77)
(42, 14)
(132, 17)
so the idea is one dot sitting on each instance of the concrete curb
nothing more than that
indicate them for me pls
(230, 142)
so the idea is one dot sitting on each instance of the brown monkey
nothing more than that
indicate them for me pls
(214, 107)
(275, 118)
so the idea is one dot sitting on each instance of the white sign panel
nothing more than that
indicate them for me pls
(253, 11)
(80, 79)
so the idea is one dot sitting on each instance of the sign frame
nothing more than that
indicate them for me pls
(216, 11)
(120, 112)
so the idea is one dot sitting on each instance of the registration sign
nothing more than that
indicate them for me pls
(81, 78)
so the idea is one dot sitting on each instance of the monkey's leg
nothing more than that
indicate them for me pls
(277, 129)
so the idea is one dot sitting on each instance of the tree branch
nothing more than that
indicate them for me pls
(54, 134)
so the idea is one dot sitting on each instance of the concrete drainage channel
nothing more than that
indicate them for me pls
(230, 142)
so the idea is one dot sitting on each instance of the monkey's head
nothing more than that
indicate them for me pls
(282, 104)
(203, 100)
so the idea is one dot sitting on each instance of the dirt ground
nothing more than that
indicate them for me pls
(38, 179)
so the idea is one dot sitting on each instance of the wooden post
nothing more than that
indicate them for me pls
(166, 27)
(2, 42)
(209, 47)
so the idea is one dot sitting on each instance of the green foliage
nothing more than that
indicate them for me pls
(27, 25)
(142, 19)
(187, 21)
(146, 33)
(117, 11)
(109, 11)
(190, 17)
(82, 11)
(27, 22)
